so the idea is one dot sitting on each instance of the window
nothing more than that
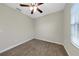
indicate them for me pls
(75, 25)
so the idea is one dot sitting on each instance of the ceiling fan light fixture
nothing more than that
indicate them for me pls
(31, 8)
(35, 8)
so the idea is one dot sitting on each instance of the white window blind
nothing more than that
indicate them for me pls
(75, 25)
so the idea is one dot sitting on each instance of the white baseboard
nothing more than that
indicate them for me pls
(49, 41)
(66, 50)
(15, 45)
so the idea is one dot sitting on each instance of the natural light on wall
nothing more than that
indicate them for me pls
(75, 25)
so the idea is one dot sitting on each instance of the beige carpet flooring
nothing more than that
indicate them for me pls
(36, 48)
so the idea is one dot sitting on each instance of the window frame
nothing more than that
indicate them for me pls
(74, 38)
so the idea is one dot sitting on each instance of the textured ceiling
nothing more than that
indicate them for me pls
(47, 8)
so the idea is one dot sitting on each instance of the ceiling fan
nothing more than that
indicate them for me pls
(33, 7)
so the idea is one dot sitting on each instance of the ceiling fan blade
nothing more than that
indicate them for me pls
(39, 4)
(39, 10)
(32, 11)
(24, 5)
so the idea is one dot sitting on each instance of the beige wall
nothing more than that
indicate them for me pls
(15, 28)
(71, 49)
(50, 27)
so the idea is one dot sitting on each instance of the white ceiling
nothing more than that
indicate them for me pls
(47, 8)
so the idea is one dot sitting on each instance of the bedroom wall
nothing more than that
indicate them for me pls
(15, 28)
(50, 27)
(71, 49)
